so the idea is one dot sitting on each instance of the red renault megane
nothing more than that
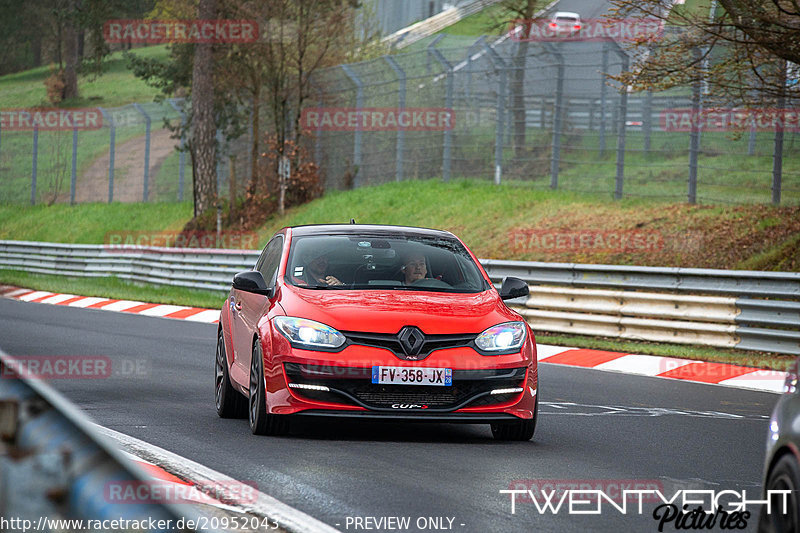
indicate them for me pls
(376, 322)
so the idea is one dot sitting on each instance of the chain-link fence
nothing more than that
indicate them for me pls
(128, 154)
(545, 113)
(542, 114)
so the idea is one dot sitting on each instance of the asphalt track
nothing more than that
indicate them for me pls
(593, 426)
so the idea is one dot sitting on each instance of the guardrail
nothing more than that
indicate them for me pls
(750, 310)
(419, 30)
(54, 465)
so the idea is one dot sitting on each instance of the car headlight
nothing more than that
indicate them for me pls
(309, 334)
(508, 336)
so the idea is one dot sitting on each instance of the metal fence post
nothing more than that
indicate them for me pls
(448, 102)
(35, 162)
(502, 81)
(751, 142)
(555, 157)
(146, 151)
(777, 152)
(181, 149)
(401, 102)
(357, 136)
(623, 120)
(603, 89)
(647, 120)
(74, 176)
(111, 142)
(694, 139)
(477, 44)
(318, 137)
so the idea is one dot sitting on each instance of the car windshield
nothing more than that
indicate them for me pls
(562, 19)
(383, 261)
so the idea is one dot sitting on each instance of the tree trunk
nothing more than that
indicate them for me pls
(203, 127)
(36, 49)
(81, 43)
(517, 88)
(71, 53)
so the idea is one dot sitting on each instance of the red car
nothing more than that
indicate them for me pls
(374, 322)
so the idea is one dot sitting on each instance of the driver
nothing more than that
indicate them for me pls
(415, 268)
(316, 270)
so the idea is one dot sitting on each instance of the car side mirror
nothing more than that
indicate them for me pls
(513, 288)
(252, 281)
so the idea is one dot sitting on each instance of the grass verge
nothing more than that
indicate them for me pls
(90, 223)
(700, 353)
(115, 288)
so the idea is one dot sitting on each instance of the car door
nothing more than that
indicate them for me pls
(247, 310)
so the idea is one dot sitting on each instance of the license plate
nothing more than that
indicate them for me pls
(399, 375)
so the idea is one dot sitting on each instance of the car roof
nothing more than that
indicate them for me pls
(566, 14)
(355, 229)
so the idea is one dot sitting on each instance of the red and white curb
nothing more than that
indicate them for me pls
(168, 468)
(643, 365)
(193, 314)
(743, 377)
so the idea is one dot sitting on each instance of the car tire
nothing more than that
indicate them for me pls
(262, 422)
(520, 430)
(229, 402)
(785, 475)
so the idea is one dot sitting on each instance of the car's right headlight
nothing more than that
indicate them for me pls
(505, 337)
(308, 334)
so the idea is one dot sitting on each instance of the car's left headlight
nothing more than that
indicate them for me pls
(308, 334)
(505, 337)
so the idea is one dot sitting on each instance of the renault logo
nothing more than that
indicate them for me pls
(411, 339)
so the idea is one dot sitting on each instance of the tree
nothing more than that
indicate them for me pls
(518, 11)
(311, 34)
(203, 138)
(740, 50)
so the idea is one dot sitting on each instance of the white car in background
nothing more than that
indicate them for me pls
(565, 22)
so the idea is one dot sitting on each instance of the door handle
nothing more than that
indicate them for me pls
(238, 306)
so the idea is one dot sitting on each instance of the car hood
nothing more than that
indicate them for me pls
(386, 311)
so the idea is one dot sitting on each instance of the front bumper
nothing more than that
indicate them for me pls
(341, 385)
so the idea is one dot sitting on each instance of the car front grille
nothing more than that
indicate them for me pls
(353, 386)
(392, 343)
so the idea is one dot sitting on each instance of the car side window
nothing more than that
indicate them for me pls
(271, 260)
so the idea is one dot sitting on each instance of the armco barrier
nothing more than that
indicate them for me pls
(55, 465)
(750, 310)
